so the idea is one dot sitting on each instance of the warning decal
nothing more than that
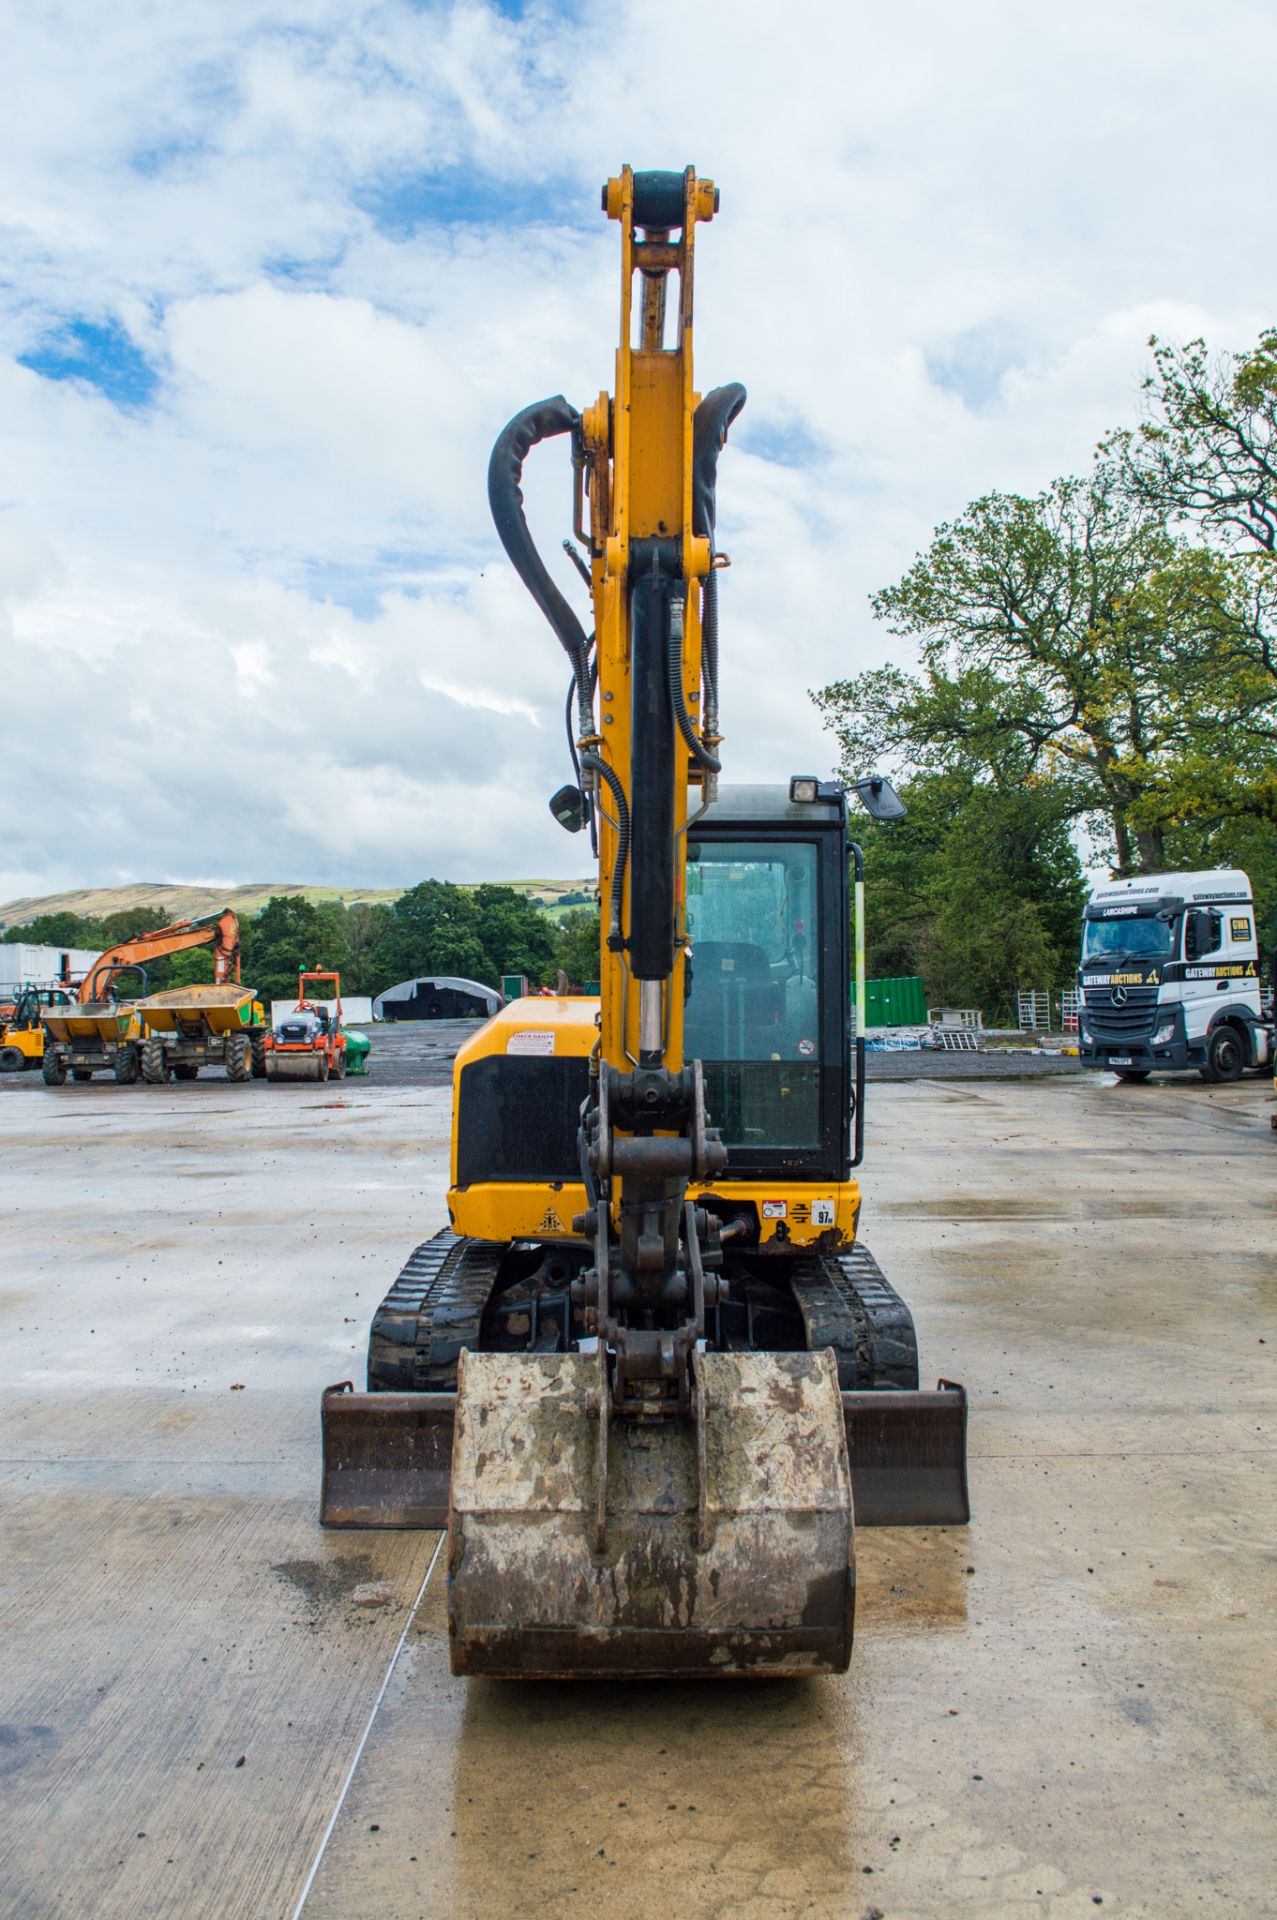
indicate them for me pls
(531, 1040)
(806, 1046)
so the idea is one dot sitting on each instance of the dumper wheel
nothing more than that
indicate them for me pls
(239, 1057)
(82, 1074)
(11, 1060)
(53, 1069)
(186, 1071)
(126, 1066)
(155, 1068)
(257, 1041)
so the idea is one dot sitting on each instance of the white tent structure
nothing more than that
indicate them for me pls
(436, 997)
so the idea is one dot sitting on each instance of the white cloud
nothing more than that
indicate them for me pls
(262, 621)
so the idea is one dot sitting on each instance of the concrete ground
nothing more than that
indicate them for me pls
(1067, 1707)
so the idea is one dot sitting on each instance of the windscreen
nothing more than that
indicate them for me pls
(1144, 934)
(753, 1012)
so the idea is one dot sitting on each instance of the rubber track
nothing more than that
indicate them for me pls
(848, 1304)
(436, 1307)
(433, 1310)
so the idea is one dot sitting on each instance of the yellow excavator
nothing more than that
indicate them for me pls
(649, 1376)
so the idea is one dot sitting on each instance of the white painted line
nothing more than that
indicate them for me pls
(363, 1741)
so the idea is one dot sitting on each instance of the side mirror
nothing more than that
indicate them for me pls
(568, 808)
(1202, 931)
(879, 798)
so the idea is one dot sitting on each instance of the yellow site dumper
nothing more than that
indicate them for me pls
(187, 1028)
(88, 1037)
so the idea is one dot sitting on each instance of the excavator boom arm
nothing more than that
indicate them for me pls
(219, 931)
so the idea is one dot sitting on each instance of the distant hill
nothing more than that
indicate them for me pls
(187, 903)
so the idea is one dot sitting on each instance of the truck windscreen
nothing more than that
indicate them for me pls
(1145, 934)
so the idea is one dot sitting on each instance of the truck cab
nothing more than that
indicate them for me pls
(1169, 977)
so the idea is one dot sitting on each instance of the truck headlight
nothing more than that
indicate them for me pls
(1165, 1034)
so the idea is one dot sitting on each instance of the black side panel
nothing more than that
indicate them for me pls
(517, 1118)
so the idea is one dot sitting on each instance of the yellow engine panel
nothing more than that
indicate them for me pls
(797, 1213)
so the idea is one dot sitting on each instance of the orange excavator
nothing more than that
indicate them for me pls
(100, 1033)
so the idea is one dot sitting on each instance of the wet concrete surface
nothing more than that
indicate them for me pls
(1065, 1708)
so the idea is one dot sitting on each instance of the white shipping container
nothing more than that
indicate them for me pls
(24, 966)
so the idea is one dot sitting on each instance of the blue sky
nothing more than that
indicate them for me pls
(277, 272)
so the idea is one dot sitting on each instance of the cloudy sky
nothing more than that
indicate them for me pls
(277, 271)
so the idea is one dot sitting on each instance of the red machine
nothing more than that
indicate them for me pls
(309, 1043)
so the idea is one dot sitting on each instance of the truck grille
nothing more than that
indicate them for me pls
(1132, 1021)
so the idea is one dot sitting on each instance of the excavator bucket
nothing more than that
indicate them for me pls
(717, 1544)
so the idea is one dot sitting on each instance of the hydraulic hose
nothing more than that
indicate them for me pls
(710, 424)
(541, 421)
(612, 781)
(699, 752)
(709, 435)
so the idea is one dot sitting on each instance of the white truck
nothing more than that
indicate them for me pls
(1170, 977)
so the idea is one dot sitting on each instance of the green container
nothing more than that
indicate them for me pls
(358, 1047)
(901, 1002)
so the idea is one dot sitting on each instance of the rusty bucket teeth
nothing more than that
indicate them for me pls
(730, 1555)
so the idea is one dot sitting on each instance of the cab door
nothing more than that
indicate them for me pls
(1201, 937)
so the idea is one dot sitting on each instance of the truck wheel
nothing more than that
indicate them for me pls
(126, 1068)
(11, 1061)
(257, 1041)
(1225, 1059)
(1133, 1076)
(53, 1069)
(82, 1073)
(239, 1057)
(155, 1068)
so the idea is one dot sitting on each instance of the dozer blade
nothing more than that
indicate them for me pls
(706, 1545)
(388, 1458)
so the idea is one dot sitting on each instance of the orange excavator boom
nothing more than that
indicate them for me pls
(217, 930)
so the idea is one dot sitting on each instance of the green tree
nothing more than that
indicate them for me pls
(517, 937)
(62, 929)
(979, 889)
(1206, 449)
(434, 930)
(1205, 456)
(366, 926)
(1078, 626)
(282, 941)
(193, 968)
(579, 946)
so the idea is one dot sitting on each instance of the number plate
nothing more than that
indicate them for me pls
(1121, 1060)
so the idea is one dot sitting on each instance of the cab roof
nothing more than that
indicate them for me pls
(1154, 889)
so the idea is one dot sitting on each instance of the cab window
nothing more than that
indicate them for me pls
(753, 1009)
